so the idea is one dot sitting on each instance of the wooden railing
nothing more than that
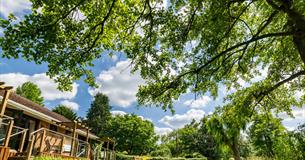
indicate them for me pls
(9, 131)
(48, 142)
(103, 153)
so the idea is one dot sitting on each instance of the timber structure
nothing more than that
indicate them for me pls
(28, 130)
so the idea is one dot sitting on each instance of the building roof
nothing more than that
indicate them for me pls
(32, 105)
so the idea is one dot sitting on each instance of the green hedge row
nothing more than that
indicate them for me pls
(54, 158)
(120, 156)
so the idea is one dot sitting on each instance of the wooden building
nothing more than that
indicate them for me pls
(28, 129)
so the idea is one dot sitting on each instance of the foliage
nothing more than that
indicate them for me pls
(52, 158)
(30, 91)
(297, 141)
(196, 46)
(161, 151)
(132, 134)
(187, 45)
(206, 142)
(98, 115)
(65, 111)
(120, 156)
(191, 141)
(225, 125)
(264, 132)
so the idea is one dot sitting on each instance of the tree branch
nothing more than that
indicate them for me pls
(176, 80)
(292, 77)
(101, 24)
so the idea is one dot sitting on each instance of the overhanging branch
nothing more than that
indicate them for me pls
(176, 80)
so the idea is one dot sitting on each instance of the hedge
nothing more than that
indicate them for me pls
(120, 156)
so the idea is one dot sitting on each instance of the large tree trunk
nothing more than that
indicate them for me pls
(296, 22)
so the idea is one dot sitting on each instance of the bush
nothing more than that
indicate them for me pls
(120, 156)
(54, 158)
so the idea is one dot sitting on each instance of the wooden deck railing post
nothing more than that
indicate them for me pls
(41, 141)
(30, 148)
(107, 151)
(22, 141)
(88, 150)
(73, 140)
(62, 144)
(8, 133)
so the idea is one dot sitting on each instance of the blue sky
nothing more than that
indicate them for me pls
(113, 74)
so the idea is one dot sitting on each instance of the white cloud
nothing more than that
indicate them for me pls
(298, 113)
(179, 120)
(74, 106)
(292, 123)
(121, 113)
(198, 103)
(119, 84)
(162, 131)
(18, 7)
(48, 87)
(115, 113)
(114, 57)
(147, 119)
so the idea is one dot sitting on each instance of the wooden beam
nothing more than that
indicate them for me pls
(6, 87)
(4, 102)
(30, 148)
(107, 151)
(87, 135)
(22, 141)
(88, 151)
(8, 133)
(62, 144)
(73, 140)
(41, 141)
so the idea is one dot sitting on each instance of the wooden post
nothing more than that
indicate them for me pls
(76, 147)
(22, 141)
(88, 150)
(88, 145)
(74, 137)
(107, 150)
(41, 141)
(8, 133)
(4, 102)
(87, 138)
(30, 148)
(62, 144)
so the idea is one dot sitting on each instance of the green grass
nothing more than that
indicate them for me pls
(54, 158)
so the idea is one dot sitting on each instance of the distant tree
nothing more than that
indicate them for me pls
(65, 111)
(99, 114)
(297, 139)
(191, 140)
(225, 125)
(161, 151)
(133, 134)
(30, 91)
(206, 143)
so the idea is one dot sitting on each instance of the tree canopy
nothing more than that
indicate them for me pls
(191, 140)
(181, 46)
(98, 115)
(184, 46)
(132, 134)
(65, 111)
(30, 91)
